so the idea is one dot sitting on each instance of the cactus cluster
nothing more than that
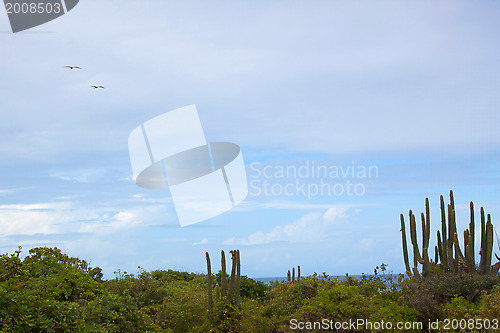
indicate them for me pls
(229, 287)
(291, 278)
(448, 256)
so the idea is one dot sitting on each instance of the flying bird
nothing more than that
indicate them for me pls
(72, 67)
(97, 87)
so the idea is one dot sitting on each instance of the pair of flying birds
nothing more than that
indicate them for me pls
(78, 67)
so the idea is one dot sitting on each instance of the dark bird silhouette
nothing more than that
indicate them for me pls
(72, 67)
(97, 87)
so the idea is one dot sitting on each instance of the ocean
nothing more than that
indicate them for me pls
(267, 280)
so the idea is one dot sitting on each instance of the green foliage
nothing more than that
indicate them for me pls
(173, 300)
(48, 291)
(285, 298)
(9, 265)
(51, 256)
(117, 313)
(373, 298)
(336, 301)
(182, 308)
(253, 289)
(460, 308)
(426, 296)
(253, 319)
(225, 317)
(170, 275)
(490, 303)
(384, 308)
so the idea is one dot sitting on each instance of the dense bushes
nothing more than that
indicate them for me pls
(429, 294)
(249, 287)
(315, 298)
(48, 291)
(51, 292)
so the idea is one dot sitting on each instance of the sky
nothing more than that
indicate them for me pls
(398, 100)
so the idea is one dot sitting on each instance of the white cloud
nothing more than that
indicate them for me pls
(80, 179)
(28, 223)
(66, 197)
(35, 206)
(30, 219)
(310, 228)
(65, 217)
(6, 192)
(202, 242)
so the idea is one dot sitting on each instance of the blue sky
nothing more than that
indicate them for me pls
(411, 88)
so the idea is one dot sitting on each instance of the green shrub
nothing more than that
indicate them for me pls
(253, 319)
(284, 299)
(223, 317)
(460, 308)
(183, 307)
(426, 295)
(49, 291)
(9, 265)
(384, 308)
(490, 303)
(252, 289)
(335, 301)
(117, 314)
(46, 292)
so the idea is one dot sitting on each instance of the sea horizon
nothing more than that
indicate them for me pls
(267, 280)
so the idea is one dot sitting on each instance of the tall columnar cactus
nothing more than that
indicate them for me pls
(472, 237)
(238, 279)
(498, 243)
(459, 257)
(452, 231)
(417, 258)
(443, 246)
(223, 280)
(488, 249)
(469, 250)
(448, 254)
(231, 292)
(426, 227)
(217, 291)
(405, 246)
(209, 282)
(232, 279)
(290, 276)
(495, 268)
